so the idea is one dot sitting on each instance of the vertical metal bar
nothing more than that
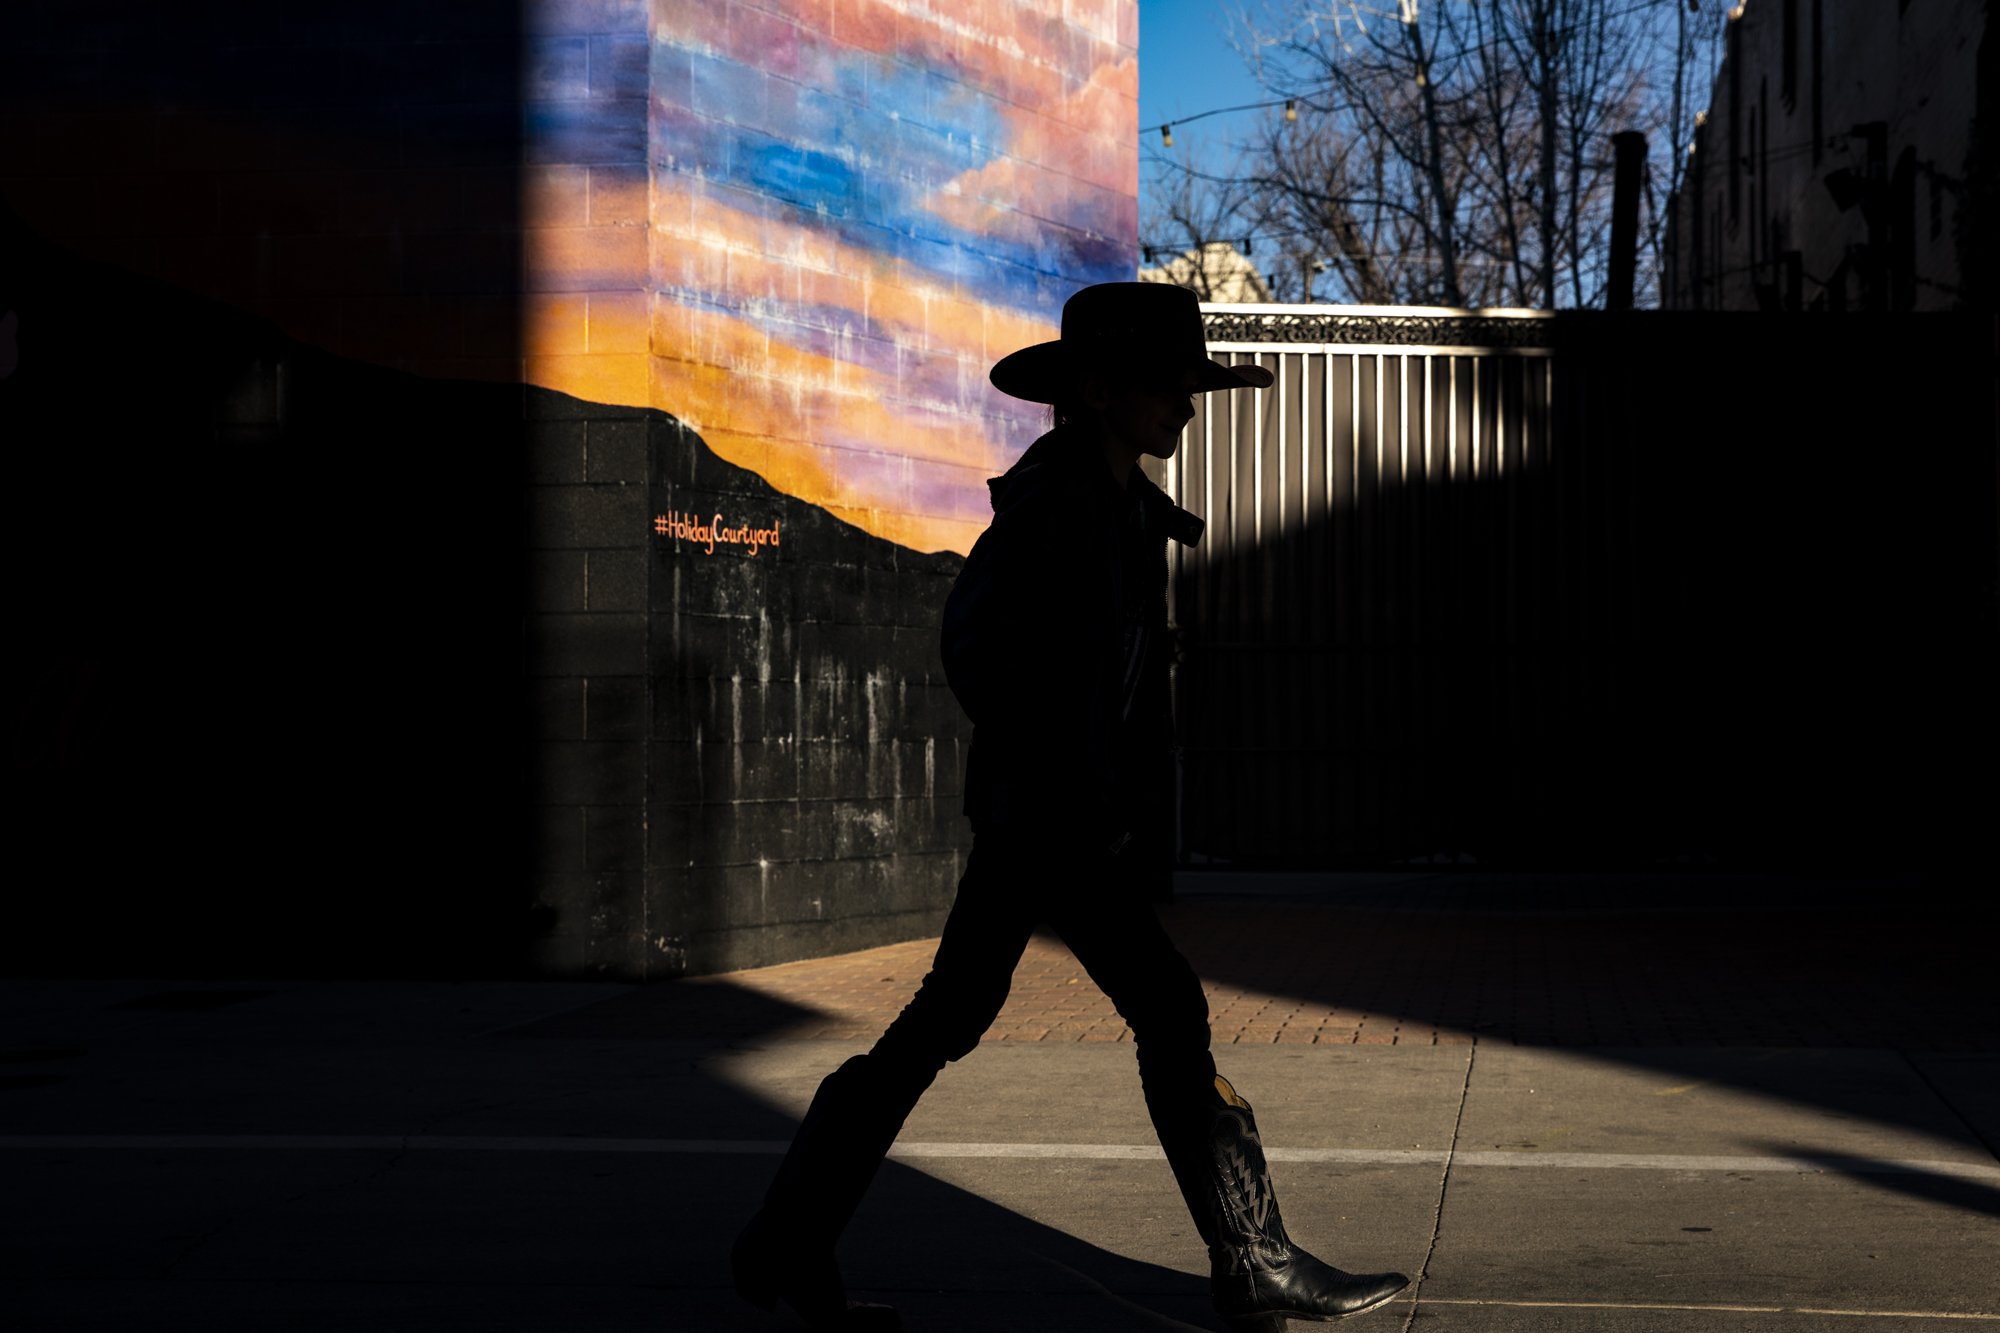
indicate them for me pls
(1403, 419)
(1354, 426)
(1305, 440)
(1430, 420)
(1548, 409)
(1451, 369)
(1379, 359)
(1208, 468)
(1326, 428)
(1481, 438)
(1284, 362)
(1257, 469)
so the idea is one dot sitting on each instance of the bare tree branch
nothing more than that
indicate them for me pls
(1454, 152)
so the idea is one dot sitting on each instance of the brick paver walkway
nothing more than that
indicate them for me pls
(1282, 971)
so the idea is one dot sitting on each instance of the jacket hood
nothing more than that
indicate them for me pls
(1059, 460)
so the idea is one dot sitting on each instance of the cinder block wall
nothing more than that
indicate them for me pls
(748, 260)
(747, 757)
(743, 754)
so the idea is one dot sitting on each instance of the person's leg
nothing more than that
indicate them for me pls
(1108, 921)
(1257, 1275)
(787, 1250)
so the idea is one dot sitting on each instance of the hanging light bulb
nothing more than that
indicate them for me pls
(1291, 109)
(1166, 136)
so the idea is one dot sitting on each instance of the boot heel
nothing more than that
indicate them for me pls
(1258, 1323)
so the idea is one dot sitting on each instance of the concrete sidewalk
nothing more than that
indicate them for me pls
(1705, 1110)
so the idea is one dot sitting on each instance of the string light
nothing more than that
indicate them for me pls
(1166, 129)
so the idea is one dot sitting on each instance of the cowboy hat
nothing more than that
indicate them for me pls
(1117, 326)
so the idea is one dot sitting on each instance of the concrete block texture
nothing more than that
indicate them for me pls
(614, 707)
(755, 727)
(562, 516)
(587, 645)
(586, 773)
(615, 580)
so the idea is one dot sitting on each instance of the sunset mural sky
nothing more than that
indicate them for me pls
(851, 209)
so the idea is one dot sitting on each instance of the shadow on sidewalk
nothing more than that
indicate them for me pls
(1886, 983)
(1932, 1186)
(916, 1240)
(1886, 1014)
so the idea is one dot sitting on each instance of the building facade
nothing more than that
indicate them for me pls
(1845, 162)
(568, 418)
(1218, 272)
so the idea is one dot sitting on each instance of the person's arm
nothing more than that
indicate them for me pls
(1021, 656)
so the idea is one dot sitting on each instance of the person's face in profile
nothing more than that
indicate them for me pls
(1143, 409)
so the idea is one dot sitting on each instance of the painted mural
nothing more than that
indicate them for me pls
(807, 228)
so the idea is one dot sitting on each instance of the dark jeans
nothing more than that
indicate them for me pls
(1098, 905)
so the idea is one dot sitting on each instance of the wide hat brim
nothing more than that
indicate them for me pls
(1119, 327)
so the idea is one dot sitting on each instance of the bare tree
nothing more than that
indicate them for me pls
(1372, 173)
(1194, 211)
(1456, 152)
(1303, 198)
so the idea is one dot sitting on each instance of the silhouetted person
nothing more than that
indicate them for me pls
(1055, 645)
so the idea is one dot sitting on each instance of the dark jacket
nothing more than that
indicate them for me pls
(1055, 644)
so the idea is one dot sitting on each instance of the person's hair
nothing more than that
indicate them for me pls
(1069, 408)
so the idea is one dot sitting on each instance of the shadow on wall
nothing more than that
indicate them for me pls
(262, 682)
(321, 668)
(1742, 615)
(266, 601)
(350, 171)
(291, 691)
(745, 751)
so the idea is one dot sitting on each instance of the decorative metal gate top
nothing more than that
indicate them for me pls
(1378, 326)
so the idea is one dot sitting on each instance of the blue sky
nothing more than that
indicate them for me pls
(1187, 66)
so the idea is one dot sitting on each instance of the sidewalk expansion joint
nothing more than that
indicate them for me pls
(1444, 1185)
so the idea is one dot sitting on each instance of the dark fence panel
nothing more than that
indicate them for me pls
(1588, 589)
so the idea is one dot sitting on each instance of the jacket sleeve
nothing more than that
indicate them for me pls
(979, 601)
(1019, 656)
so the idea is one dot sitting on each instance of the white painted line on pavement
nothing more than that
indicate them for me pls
(1672, 1162)
(1115, 1152)
(1722, 1309)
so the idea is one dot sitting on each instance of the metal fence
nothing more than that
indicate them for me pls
(1481, 585)
(1311, 612)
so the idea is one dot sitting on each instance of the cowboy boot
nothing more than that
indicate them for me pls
(1257, 1276)
(786, 1251)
